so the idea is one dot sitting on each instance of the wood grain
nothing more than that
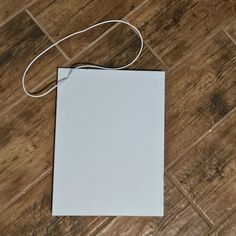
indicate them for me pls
(61, 18)
(231, 30)
(174, 28)
(31, 215)
(234, 5)
(208, 171)
(199, 94)
(179, 219)
(19, 44)
(7, 8)
(26, 145)
(110, 53)
(26, 127)
(228, 228)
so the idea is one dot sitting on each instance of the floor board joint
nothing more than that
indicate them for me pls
(230, 37)
(156, 55)
(27, 189)
(191, 202)
(221, 221)
(47, 34)
(10, 17)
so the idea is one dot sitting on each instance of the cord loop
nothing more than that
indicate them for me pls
(82, 66)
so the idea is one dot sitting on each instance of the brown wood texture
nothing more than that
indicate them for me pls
(208, 171)
(199, 93)
(228, 228)
(61, 18)
(231, 30)
(31, 215)
(174, 28)
(193, 41)
(115, 53)
(8, 8)
(26, 145)
(20, 41)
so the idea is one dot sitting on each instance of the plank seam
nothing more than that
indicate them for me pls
(17, 12)
(221, 222)
(26, 189)
(191, 201)
(157, 56)
(47, 35)
(229, 36)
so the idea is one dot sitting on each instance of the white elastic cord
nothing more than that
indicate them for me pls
(82, 66)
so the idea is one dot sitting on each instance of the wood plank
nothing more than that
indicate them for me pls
(180, 219)
(228, 228)
(174, 28)
(21, 40)
(31, 215)
(61, 18)
(208, 171)
(26, 145)
(199, 94)
(115, 53)
(231, 30)
(7, 8)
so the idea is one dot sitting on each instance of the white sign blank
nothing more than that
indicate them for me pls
(109, 143)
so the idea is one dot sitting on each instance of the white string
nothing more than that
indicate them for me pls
(82, 66)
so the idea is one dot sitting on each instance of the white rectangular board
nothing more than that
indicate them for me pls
(109, 143)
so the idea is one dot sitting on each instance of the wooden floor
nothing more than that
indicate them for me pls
(194, 41)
